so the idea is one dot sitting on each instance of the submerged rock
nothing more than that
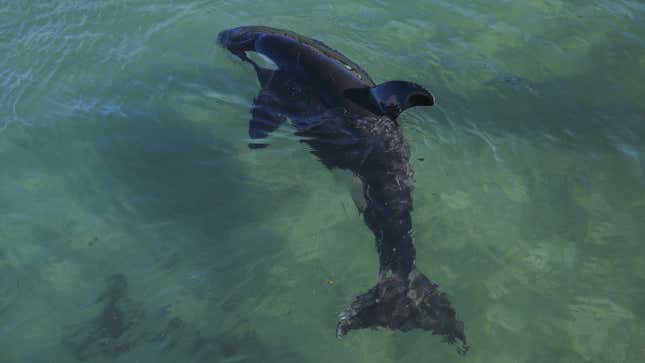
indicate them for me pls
(112, 331)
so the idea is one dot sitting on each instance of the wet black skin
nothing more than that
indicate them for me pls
(352, 124)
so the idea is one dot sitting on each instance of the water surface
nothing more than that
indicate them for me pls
(136, 226)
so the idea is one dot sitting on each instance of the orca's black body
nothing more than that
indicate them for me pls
(350, 123)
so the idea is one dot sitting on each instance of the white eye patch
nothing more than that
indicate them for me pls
(262, 61)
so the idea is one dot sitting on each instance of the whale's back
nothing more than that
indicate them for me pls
(245, 39)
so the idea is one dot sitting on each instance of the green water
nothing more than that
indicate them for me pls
(136, 226)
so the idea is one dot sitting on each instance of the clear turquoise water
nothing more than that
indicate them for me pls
(136, 226)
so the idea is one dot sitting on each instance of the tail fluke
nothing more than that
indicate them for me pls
(399, 304)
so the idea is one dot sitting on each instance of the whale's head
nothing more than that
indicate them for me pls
(237, 40)
(405, 304)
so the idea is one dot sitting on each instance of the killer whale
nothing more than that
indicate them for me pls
(351, 123)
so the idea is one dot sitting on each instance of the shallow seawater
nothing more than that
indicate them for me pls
(136, 225)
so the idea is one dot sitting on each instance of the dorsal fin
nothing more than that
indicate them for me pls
(391, 98)
(394, 97)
